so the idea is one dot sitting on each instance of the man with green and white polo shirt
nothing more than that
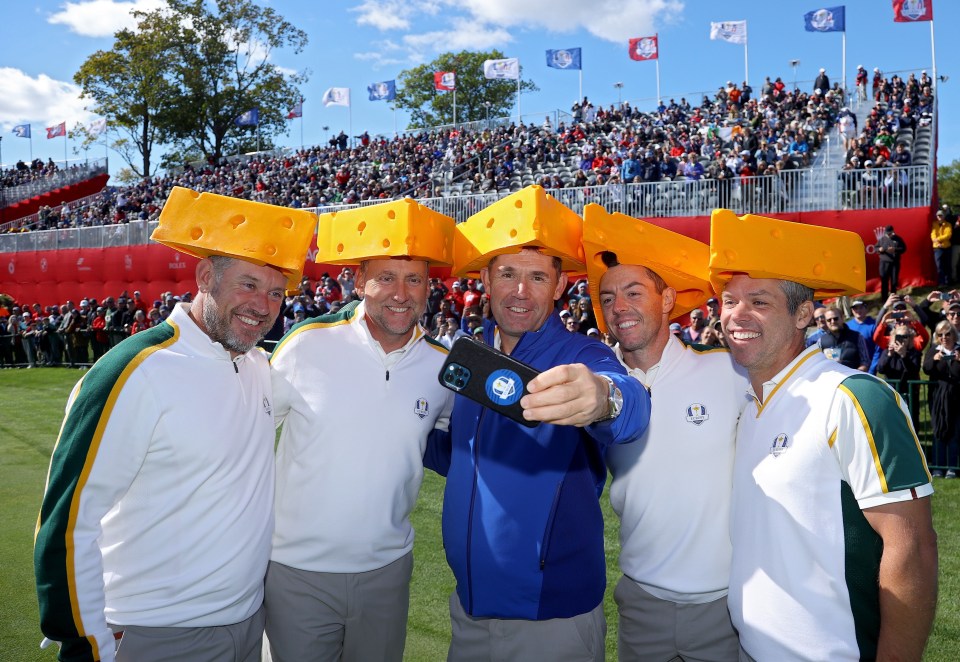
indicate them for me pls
(154, 533)
(834, 552)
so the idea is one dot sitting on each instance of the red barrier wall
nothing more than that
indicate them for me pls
(53, 198)
(49, 277)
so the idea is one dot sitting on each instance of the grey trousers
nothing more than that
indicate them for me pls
(658, 630)
(325, 616)
(239, 642)
(577, 639)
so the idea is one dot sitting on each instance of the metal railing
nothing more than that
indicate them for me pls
(73, 173)
(788, 191)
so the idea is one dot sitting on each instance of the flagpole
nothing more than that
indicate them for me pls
(581, 81)
(933, 55)
(746, 66)
(31, 145)
(519, 121)
(350, 120)
(64, 147)
(658, 74)
(301, 124)
(844, 62)
(454, 107)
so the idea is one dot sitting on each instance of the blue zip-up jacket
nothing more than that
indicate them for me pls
(522, 526)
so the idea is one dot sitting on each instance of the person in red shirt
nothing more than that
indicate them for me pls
(456, 297)
(472, 295)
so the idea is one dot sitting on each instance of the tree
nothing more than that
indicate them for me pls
(223, 50)
(131, 88)
(948, 185)
(187, 71)
(429, 107)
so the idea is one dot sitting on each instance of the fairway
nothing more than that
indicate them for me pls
(32, 407)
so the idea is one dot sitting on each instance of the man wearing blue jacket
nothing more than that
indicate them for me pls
(522, 526)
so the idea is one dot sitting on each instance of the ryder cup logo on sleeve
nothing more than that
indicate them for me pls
(697, 414)
(504, 386)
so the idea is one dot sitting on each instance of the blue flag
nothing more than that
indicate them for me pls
(563, 58)
(384, 91)
(249, 118)
(828, 19)
(22, 131)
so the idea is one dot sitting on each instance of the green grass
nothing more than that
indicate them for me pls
(31, 408)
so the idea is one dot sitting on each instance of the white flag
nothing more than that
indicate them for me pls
(509, 68)
(733, 31)
(96, 127)
(336, 96)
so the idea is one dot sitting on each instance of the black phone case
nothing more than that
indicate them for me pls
(488, 376)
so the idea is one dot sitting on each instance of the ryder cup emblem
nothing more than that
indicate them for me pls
(562, 59)
(822, 20)
(422, 408)
(697, 414)
(780, 445)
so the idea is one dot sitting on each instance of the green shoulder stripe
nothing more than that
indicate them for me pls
(894, 444)
(435, 344)
(73, 457)
(704, 349)
(342, 316)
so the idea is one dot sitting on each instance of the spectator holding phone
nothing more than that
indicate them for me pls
(943, 367)
(900, 364)
(900, 315)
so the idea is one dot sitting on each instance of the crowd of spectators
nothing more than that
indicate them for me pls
(24, 173)
(877, 154)
(736, 136)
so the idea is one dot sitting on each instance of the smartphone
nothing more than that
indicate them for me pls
(897, 315)
(488, 376)
(944, 296)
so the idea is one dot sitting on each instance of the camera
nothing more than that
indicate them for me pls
(944, 296)
(897, 315)
(901, 338)
(456, 376)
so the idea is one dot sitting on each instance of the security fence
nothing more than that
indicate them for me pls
(787, 191)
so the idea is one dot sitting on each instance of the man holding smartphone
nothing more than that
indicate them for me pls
(522, 526)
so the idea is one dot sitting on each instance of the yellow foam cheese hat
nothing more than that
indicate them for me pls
(679, 260)
(402, 228)
(530, 217)
(831, 262)
(205, 224)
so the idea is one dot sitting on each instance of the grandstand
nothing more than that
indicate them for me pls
(776, 152)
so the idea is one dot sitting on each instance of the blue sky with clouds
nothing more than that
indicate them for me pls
(357, 42)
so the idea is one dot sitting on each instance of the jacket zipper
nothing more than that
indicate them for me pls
(545, 546)
(473, 498)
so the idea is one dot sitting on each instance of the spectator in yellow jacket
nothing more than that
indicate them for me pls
(941, 234)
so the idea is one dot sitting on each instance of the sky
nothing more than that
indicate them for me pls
(353, 43)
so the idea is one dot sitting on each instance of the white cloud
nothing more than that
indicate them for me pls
(100, 18)
(40, 101)
(463, 34)
(613, 20)
(385, 14)
(485, 24)
(377, 59)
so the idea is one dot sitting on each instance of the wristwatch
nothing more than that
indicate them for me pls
(614, 401)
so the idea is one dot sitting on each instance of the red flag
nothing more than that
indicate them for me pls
(644, 48)
(912, 11)
(296, 111)
(445, 80)
(57, 131)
